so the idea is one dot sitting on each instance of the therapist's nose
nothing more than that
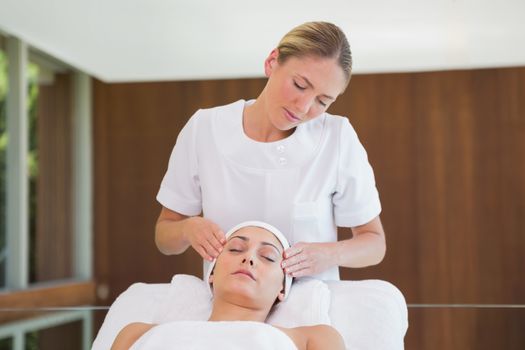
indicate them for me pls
(303, 103)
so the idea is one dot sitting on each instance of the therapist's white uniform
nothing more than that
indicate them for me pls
(306, 185)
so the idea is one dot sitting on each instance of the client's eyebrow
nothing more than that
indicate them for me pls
(246, 239)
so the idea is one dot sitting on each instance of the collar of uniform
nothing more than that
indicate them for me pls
(290, 152)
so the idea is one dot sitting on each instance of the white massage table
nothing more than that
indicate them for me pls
(369, 314)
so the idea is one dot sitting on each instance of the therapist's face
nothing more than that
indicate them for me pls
(300, 89)
(249, 268)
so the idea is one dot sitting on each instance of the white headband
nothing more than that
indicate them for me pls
(287, 278)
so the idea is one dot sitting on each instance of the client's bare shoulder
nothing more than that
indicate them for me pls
(315, 337)
(129, 335)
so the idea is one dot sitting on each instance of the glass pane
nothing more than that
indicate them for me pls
(3, 145)
(6, 344)
(49, 158)
(33, 164)
(46, 329)
(65, 336)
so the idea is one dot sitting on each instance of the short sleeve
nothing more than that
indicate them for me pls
(356, 200)
(180, 187)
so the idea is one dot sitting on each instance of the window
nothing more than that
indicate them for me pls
(50, 170)
(45, 169)
(3, 146)
(6, 343)
(60, 329)
(45, 197)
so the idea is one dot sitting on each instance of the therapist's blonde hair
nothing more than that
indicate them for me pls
(317, 39)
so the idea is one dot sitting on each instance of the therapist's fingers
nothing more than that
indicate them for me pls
(212, 242)
(293, 256)
(220, 238)
(294, 250)
(309, 259)
(201, 234)
(299, 269)
(292, 264)
(209, 245)
(302, 273)
(202, 253)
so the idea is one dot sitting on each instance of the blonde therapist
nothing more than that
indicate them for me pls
(282, 159)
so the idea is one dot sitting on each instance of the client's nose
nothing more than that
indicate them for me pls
(244, 260)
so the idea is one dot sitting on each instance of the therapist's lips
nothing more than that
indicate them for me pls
(244, 272)
(291, 117)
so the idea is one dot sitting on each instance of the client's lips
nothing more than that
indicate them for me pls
(244, 272)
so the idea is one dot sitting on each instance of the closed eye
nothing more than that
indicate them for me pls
(299, 86)
(269, 259)
(234, 250)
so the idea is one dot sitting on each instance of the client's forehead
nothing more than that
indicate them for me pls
(257, 234)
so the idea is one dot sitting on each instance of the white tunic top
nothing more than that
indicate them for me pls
(306, 185)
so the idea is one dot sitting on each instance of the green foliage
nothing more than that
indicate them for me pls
(6, 344)
(3, 76)
(3, 146)
(32, 79)
(32, 341)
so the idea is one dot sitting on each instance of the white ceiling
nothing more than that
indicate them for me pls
(148, 40)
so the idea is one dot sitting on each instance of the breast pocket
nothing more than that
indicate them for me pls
(305, 222)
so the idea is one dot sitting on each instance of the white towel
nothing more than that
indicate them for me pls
(201, 335)
(188, 300)
(369, 314)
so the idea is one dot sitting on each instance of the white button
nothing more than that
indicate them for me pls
(280, 149)
(282, 161)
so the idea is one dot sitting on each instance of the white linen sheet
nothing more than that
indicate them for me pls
(369, 314)
(203, 335)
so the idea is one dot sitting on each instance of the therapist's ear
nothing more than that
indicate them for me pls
(270, 62)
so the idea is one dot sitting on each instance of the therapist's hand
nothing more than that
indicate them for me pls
(306, 259)
(204, 236)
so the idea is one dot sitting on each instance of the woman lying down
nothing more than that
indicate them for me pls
(246, 280)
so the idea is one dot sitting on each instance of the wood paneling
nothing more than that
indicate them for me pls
(65, 294)
(63, 337)
(135, 128)
(448, 150)
(460, 328)
(53, 238)
(451, 185)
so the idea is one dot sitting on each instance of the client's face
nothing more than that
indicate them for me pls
(249, 267)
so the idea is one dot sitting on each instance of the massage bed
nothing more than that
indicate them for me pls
(369, 314)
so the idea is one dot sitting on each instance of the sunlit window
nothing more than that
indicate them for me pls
(50, 170)
(6, 343)
(44, 223)
(3, 145)
(44, 141)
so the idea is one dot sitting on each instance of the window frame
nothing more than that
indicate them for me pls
(18, 329)
(17, 197)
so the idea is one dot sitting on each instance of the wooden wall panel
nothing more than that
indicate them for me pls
(448, 150)
(135, 128)
(457, 195)
(458, 329)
